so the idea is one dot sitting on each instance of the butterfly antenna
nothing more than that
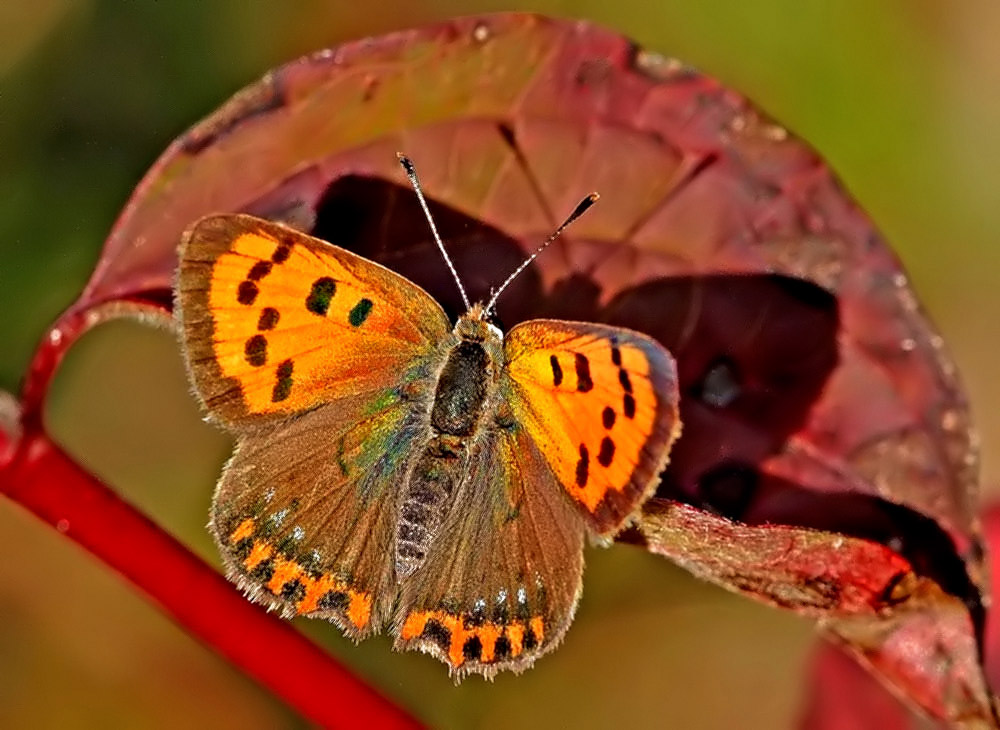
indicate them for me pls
(411, 173)
(577, 212)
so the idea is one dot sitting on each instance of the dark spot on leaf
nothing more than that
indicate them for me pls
(383, 221)
(729, 488)
(720, 385)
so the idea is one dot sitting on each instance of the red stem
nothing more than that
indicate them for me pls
(48, 483)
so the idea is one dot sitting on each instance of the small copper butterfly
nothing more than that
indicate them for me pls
(394, 471)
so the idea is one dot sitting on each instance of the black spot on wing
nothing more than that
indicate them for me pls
(269, 317)
(502, 649)
(584, 383)
(246, 293)
(607, 453)
(628, 406)
(360, 312)
(259, 270)
(281, 253)
(318, 301)
(334, 601)
(255, 350)
(283, 386)
(530, 641)
(583, 467)
(557, 373)
(438, 633)
(293, 591)
(264, 571)
(472, 649)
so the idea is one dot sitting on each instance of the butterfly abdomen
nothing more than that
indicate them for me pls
(460, 399)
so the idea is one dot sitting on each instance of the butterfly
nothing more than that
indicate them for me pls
(393, 470)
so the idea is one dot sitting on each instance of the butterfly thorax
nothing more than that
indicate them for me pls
(463, 399)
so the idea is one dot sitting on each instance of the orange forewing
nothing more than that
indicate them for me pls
(602, 404)
(277, 322)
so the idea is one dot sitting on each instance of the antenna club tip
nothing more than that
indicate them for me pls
(594, 197)
(405, 161)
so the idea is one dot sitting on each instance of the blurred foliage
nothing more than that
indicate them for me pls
(898, 95)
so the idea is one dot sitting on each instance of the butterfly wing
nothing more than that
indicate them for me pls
(320, 361)
(501, 585)
(304, 514)
(276, 322)
(601, 403)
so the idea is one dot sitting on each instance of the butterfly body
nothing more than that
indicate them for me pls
(464, 406)
(392, 471)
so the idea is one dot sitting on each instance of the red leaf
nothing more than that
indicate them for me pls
(846, 697)
(812, 572)
(930, 652)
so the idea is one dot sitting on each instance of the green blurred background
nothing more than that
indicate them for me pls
(901, 98)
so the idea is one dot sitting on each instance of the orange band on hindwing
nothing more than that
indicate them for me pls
(285, 578)
(460, 639)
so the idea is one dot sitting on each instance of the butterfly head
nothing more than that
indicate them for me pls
(477, 325)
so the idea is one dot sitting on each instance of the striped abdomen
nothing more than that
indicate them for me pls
(458, 405)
